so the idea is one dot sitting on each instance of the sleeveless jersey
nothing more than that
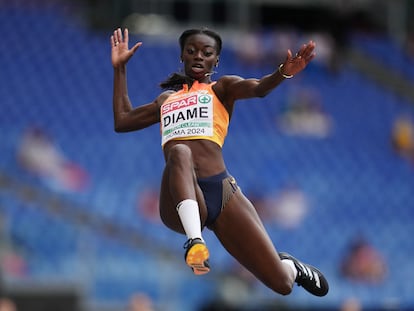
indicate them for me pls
(194, 113)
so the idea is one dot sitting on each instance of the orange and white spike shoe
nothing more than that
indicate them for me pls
(196, 256)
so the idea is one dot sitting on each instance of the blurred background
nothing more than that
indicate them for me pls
(327, 158)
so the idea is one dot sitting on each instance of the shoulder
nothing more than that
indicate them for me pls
(163, 96)
(222, 87)
(228, 79)
(224, 82)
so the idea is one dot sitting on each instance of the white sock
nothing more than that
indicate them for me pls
(190, 218)
(291, 266)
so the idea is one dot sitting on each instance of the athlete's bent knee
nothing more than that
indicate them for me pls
(179, 153)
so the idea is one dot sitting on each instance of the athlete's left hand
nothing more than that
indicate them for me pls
(296, 63)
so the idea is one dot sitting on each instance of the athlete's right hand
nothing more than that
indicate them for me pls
(120, 53)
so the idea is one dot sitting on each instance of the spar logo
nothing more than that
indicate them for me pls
(182, 103)
(186, 109)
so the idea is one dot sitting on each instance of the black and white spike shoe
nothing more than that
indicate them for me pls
(308, 277)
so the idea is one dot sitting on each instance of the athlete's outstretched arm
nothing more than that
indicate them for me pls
(239, 88)
(127, 118)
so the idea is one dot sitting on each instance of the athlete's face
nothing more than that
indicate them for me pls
(199, 56)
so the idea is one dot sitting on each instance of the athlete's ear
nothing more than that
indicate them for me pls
(217, 62)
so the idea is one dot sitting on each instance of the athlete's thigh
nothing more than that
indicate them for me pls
(243, 235)
(168, 204)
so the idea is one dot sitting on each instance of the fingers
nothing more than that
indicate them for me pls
(116, 38)
(126, 36)
(306, 51)
(135, 47)
(289, 54)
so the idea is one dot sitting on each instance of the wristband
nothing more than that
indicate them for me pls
(282, 74)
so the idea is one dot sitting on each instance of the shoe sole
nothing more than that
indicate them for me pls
(196, 259)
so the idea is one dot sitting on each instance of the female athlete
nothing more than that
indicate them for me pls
(197, 190)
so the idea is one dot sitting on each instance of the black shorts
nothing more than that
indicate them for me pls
(217, 191)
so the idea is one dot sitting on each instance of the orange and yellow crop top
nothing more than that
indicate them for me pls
(194, 113)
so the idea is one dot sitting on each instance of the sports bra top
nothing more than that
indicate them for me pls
(194, 113)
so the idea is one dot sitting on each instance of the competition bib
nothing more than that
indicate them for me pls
(186, 115)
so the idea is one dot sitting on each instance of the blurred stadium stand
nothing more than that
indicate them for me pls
(94, 249)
